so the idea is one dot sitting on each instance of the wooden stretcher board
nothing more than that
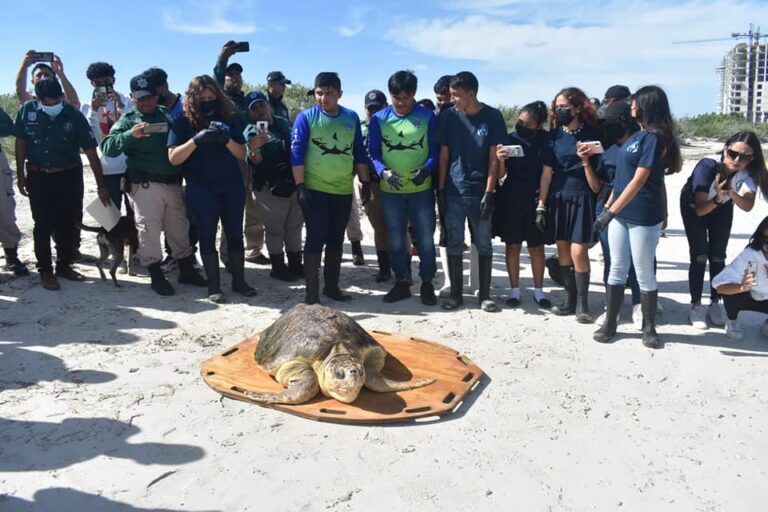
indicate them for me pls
(235, 371)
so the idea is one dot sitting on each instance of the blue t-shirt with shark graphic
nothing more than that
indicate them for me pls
(328, 147)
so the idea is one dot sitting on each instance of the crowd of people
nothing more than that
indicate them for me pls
(575, 172)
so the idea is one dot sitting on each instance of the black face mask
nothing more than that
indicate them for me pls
(524, 131)
(563, 116)
(208, 107)
(613, 132)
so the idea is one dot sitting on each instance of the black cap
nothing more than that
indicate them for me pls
(142, 85)
(617, 111)
(617, 92)
(275, 76)
(237, 68)
(375, 98)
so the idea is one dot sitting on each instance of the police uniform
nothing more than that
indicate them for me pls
(9, 231)
(54, 177)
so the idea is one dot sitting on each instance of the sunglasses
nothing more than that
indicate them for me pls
(735, 155)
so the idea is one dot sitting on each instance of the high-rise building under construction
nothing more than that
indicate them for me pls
(744, 81)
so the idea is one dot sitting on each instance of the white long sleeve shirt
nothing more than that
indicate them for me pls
(101, 120)
(733, 273)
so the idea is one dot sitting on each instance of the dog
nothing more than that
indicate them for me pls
(113, 243)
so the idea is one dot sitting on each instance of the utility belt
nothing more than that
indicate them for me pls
(51, 170)
(143, 178)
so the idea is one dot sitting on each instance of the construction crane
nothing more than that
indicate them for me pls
(753, 36)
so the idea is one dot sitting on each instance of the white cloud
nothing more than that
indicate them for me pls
(212, 19)
(355, 23)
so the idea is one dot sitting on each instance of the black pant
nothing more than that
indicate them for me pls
(206, 205)
(734, 304)
(56, 201)
(326, 221)
(707, 241)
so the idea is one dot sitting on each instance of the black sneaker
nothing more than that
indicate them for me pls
(401, 290)
(427, 293)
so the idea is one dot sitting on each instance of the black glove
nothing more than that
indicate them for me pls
(302, 196)
(442, 204)
(221, 137)
(602, 221)
(420, 175)
(393, 179)
(365, 193)
(541, 218)
(486, 205)
(206, 136)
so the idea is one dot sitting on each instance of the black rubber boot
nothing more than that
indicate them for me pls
(582, 298)
(614, 295)
(456, 270)
(237, 267)
(13, 263)
(279, 269)
(400, 291)
(358, 259)
(427, 294)
(188, 274)
(160, 284)
(294, 264)
(554, 269)
(568, 307)
(484, 263)
(385, 268)
(648, 301)
(331, 274)
(312, 277)
(212, 272)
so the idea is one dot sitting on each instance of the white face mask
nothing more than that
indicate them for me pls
(52, 110)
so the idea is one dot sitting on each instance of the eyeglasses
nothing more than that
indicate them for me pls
(735, 155)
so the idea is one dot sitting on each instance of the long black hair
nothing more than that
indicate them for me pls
(756, 168)
(538, 110)
(758, 240)
(654, 116)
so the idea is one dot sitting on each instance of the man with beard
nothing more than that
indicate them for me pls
(276, 83)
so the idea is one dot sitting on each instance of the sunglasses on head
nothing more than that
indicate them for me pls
(735, 155)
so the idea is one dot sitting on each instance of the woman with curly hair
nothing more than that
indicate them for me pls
(207, 141)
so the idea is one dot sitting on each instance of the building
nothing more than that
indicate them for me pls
(743, 80)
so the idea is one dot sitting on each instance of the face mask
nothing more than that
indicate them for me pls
(524, 131)
(207, 107)
(563, 116)
(613, 132)
(52, 110)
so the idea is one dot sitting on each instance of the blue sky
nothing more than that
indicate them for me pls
(520, 51)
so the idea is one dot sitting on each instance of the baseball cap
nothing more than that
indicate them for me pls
(254, 97)
(617, 111)
(275, 76)
(141, 86)
(617, 92)
(234, 67)
(375, 98)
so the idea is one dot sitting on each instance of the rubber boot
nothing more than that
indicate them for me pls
(385, 267)
(237, 267)
(614, 295)
(648, 301)
(568, 307)
(312, 277)
(427, 294)
(294, 264)
(13, 262)
(455, 270)
(159, 283)
(358, 259)
(212, 272)
(484, 268)
(401, 291)
(554, 270)
(445, 290)
(582, 298)
(331, 273)
(279, 269)
(473, 283)
(188, 274)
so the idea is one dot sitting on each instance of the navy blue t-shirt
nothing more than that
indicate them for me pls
(469, 139)
(606, 168)
(560, 154)
(209, 164)
(640, 150)
(526, 169)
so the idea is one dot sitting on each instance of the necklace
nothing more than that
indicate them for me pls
(573, 132)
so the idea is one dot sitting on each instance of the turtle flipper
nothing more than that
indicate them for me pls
(375, 381)
(299, 390)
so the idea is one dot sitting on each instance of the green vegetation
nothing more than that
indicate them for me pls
(295, 98)
(718, 126)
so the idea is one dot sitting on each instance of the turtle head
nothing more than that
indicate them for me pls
(342, 375)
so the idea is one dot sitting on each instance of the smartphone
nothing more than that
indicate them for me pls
(243, 46)
(514, 151)
(156, 128)
(595, 147)
(101, 92)
(42, 57)
(752, 268)
(261, 126)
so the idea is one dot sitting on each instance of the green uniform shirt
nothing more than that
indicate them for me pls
(275, 154)
(53, 142)
(278, 107)
(147, 154)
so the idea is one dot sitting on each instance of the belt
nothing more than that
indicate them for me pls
(137, 176)
(50, 170)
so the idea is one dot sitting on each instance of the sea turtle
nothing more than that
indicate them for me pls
(314, 348)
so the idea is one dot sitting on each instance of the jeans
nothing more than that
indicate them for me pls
(632, 280)
(707, 241)
(326, 221)
(633, 244)
(419, 208)
(743, 302)
(207, 205)
(460, 207)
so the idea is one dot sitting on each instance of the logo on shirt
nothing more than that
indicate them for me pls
(482, 130)
(399, 146)
(32, 116)
(68, 126)
(634, 147)
(328, 150)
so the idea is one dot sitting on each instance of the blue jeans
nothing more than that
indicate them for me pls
(419, 207)
(632, 244)
(632, 280)
(460, 207)
(326, 221)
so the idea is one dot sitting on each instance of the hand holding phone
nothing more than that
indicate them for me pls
(156, 128)
(514, 151)
(242, 46)
(594, 147)
(41, 57)
(261, 127)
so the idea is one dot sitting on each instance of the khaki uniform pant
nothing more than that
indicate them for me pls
(160, 208)
(9, 231)
(283, 221)
(376, 218)
(354, 233)
(254, 223)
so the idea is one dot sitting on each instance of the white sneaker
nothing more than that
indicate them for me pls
(445, 292)
(601, 319)
(715, 315)
(764, 329)
(733, 330)
(698, 316)
(637, 316)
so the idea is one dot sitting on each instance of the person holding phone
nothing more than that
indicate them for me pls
(207, 142)
(706, 205)
(743, 283)
(567, 194)
(52, 68)
(514, 219)
(636, 212)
